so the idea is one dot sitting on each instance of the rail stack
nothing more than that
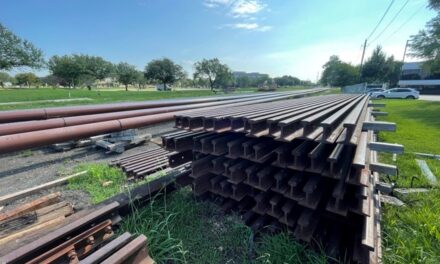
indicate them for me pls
(88, 237)
(307, 164)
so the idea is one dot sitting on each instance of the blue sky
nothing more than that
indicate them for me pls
(276, 37)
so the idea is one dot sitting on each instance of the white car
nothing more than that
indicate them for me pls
(404, 93)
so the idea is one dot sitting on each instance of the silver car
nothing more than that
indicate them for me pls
(402, 93)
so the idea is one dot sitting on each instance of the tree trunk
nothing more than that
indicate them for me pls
(126, 87)
(164, 86)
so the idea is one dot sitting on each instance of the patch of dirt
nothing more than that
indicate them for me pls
(26, 169)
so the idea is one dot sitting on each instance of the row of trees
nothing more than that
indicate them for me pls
(379, 68)
(84, 70)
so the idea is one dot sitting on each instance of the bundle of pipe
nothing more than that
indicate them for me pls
(53, 112)
(306, 164)
(23, 135)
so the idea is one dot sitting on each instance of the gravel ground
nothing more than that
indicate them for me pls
(26, 169)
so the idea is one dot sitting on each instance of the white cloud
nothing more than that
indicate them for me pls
(216, 3)
(237, 8)
(244, 8)
(250, 26)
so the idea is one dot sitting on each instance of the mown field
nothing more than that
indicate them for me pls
(101, 96)
(412, 233)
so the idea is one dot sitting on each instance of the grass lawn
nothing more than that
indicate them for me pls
(183, 229)
(103, 95)
(98, 96)
(412, 233)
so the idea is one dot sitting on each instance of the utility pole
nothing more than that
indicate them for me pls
(362, 60)
(403, 59)
(404, 52)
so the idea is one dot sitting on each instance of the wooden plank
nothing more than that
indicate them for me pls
(35, 228)
(31, 206)
(386, 147)
(36, 217)
(379, 126)
(14, 196)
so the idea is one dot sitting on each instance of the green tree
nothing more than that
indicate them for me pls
(242, 81)
(66, 67)
(4, 77)
(380, 68)
(214, 72)
(51, 80)
(127, 74)
(27, 79)
(426, 43)
(80, 69)
(17, 52)
(164, 70)
(287, 80)
(338, 73)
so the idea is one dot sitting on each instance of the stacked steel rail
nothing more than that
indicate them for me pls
(24, 129)
(144, 163)
(305, 164)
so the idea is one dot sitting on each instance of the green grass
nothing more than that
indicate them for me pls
(20, 95)
(92, 182)
(418, 124)
(411, 234)
(418, 129)
(181, 229)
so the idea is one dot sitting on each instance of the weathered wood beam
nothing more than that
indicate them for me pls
(14, 196)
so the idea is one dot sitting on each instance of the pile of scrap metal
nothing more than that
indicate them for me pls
(24, 129)
(87, 236)
(116, 142)
(305, 164)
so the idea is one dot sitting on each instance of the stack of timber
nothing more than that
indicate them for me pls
(305, 164)
(87, 236)
(33, 216)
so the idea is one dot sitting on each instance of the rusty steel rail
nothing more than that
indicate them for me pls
(53, 112)
(85, 236)
(26, 140)
(329, 119)
(144, 163)
(303, 164)
(21, 127)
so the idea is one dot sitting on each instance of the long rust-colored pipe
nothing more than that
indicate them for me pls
(21, 141)
(47, 113)
(27, 126)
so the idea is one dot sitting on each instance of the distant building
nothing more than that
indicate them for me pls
(414, 76)
(250, 75)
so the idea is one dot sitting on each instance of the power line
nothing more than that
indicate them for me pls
(404, 24)
(380, 21)
(391, 21)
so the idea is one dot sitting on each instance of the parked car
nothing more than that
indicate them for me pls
(161, 87)
(405, 93)
(374, 90)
